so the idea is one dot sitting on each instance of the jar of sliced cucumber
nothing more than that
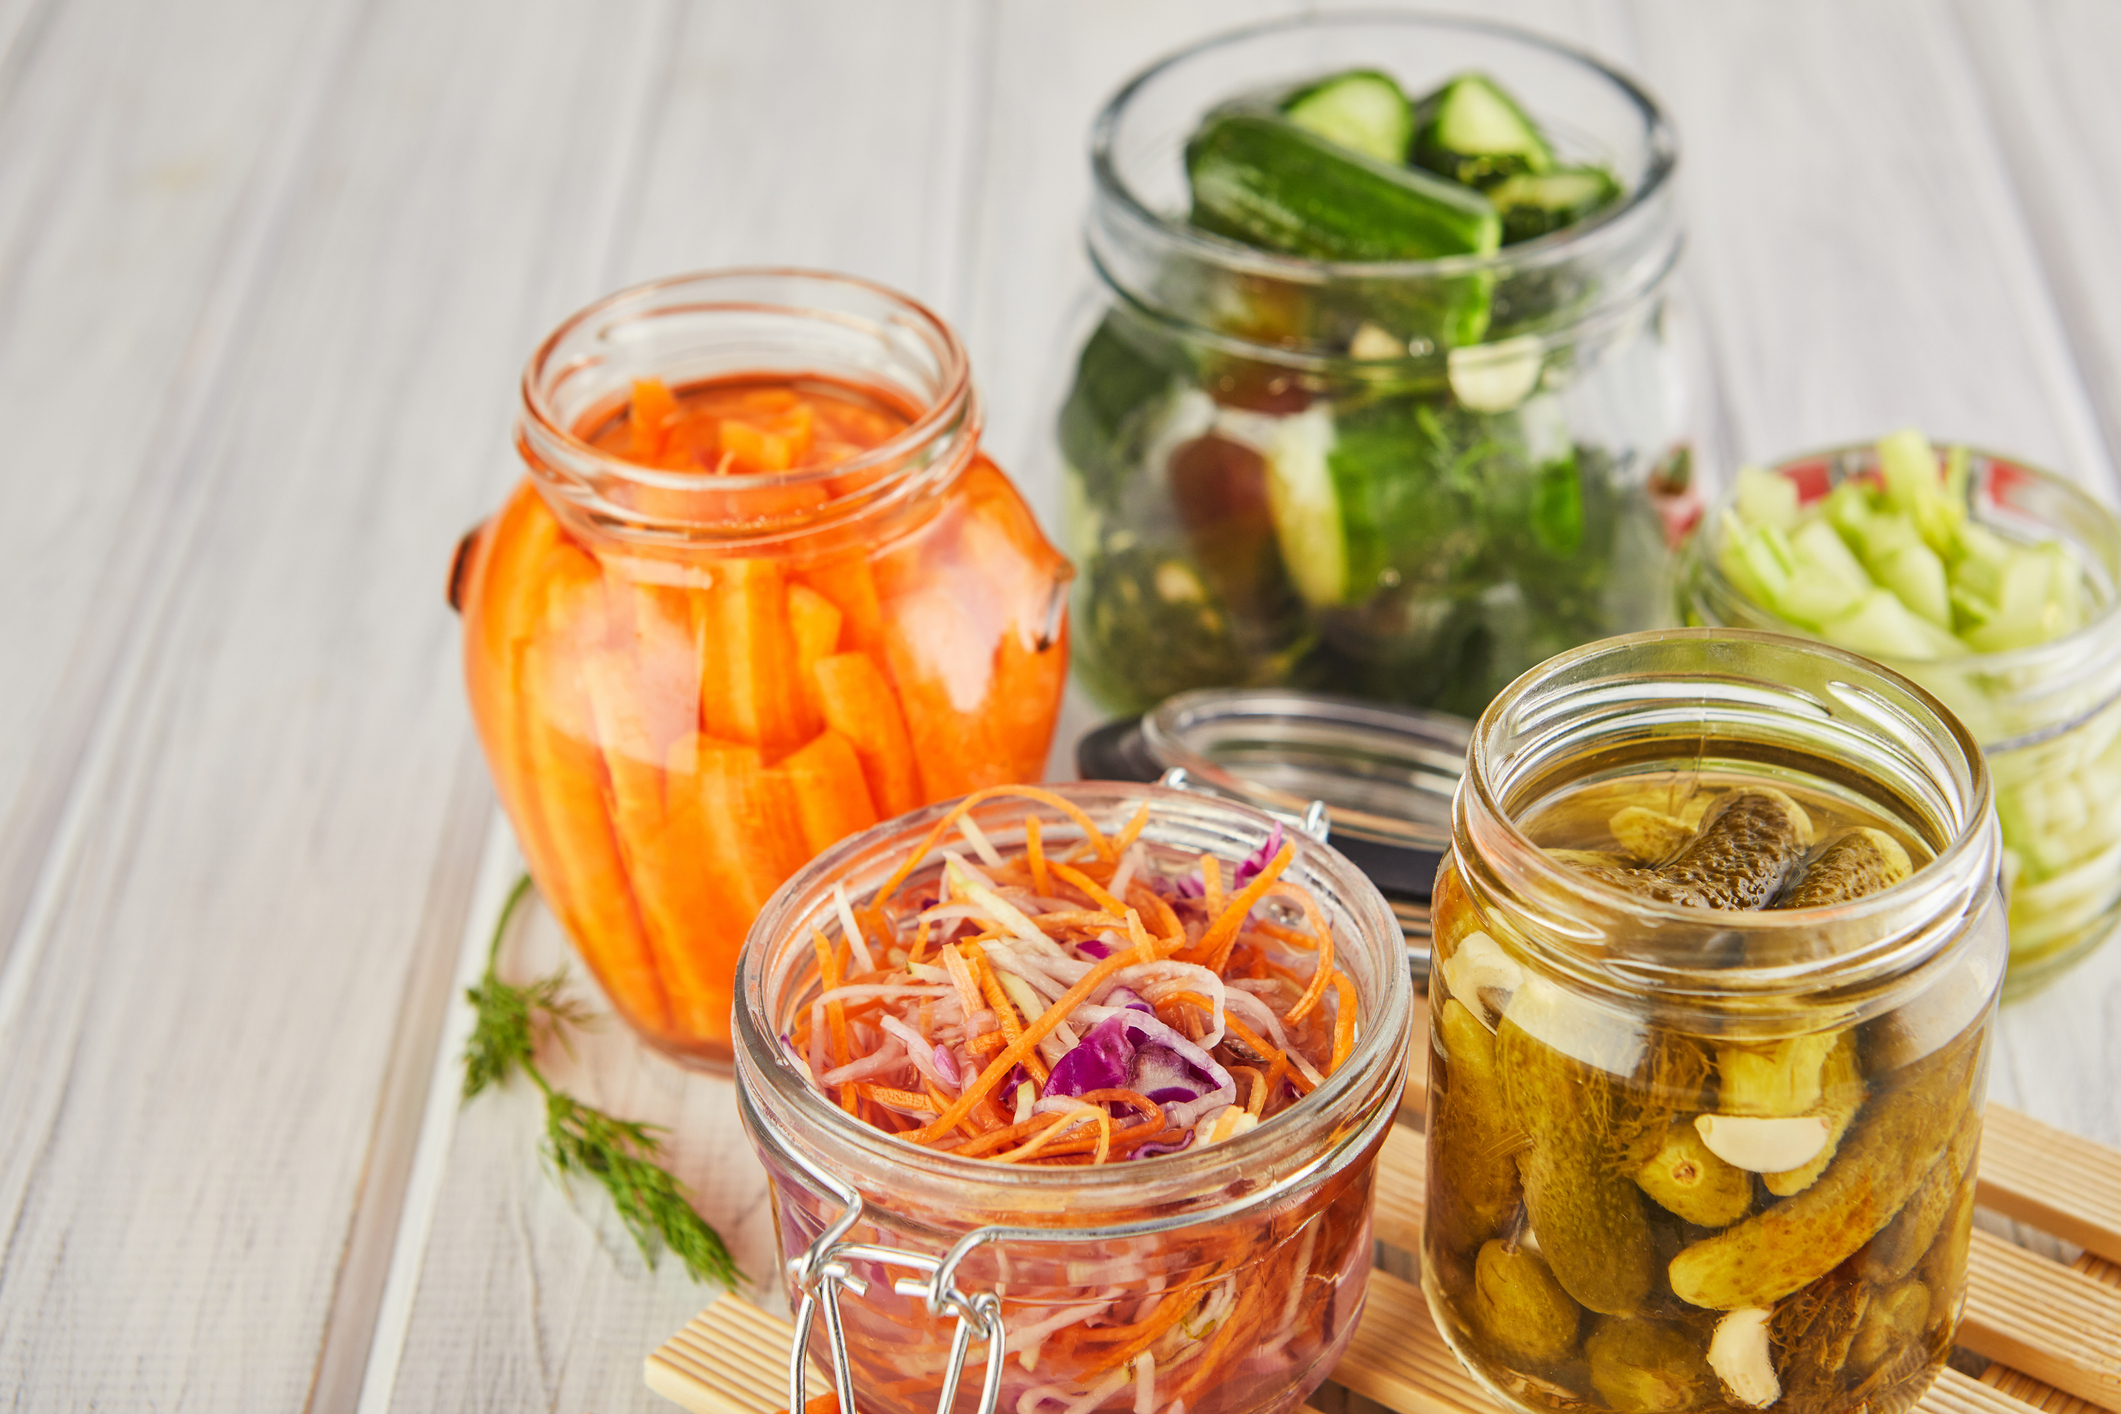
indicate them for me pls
(1380, 392)
(1718, 948)
(1992, 584)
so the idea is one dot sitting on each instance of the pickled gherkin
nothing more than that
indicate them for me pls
(1519, 1306)
(1648, 1367)
(1477, 1188)
(1685, 1179)
(1726, 1208)
(1861, 862)
(1587, 1132)
(1745, 848)
(1880, 1165)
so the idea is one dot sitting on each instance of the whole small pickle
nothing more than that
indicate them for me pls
(1841, 1092)
(1474, 1151)
(1880, 1164)
(1745, 849)
(1584, 1134)
(1781, 1078)
(1862, 861)
(1685, 1179)
(1894, 1252)
(1891, 1330)
(1519, 1308)
(1648, 1367)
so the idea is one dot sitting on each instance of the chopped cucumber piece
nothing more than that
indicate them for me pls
(1916, 574)
(1477, 134)
(1766, 499)
(1364, 110)
(1261, 179)
(1821, 551)
(1915, 487)
(1534, 204)
(1883, 627)
(1306, 508)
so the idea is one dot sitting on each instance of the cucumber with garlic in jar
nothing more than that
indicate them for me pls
(1431, 528)
(1733, 1222)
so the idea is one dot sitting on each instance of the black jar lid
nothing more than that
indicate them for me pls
(1384, 774)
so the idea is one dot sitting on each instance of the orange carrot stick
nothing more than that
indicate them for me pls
(856, 701)
(831, 798)
(814, 621)
(582, 869)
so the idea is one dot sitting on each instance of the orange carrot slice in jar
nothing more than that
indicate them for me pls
(682, 616)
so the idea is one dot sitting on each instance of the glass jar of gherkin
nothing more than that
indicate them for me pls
(1719, 945)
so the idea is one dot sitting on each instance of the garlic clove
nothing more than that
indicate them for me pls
(1760, 1144)
(1740, 1355)
(1482, 976)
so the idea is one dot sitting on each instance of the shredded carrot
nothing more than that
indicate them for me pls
(1003, 1007)
(1343, 1020)
(1214, 945)
(1067, 807)
(1211, 877)
(1167, 924)
(884, 1094)
(920, 945)
(1133, 831)
(998, 1068)
(828, 967)
(1035, 853)
(1323, 931)
(1097, 892)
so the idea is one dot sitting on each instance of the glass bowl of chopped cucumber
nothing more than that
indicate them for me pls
(1995, 585)
(1381, 390)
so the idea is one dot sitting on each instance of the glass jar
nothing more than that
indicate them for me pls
(2048, 716)
(687, 682)
(1268, 1232)
(1692, 1157)
(1256, 495)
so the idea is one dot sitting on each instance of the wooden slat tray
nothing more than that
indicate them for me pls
(2052, 1332)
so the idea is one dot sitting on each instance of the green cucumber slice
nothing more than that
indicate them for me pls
(1306, 507)
(1261, 179)
(1363, 110)
(1535, 204)
(1475, 133)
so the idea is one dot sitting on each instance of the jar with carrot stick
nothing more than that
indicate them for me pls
(1071, 1100)
(759, 590)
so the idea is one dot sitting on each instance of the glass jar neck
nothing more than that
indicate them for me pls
(1742, 705)
(755, 325)
(1277, 308)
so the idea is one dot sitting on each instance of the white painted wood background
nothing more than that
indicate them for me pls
(268, 269)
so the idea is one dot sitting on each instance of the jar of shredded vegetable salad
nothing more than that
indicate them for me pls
(759, 589)
(1118, 1059)
(1718, 950)
(2002, 595)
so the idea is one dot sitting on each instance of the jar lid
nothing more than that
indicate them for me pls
(1386, 774)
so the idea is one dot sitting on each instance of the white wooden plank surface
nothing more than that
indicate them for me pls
(281, 263)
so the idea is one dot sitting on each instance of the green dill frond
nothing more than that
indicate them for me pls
(620, 1154)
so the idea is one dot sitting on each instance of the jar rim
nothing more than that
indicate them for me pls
(1661, 141)
(1891, 956)
(2073, 647)
(1197, 1173)
(954, 402)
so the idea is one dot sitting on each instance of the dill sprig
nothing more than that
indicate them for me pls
(620, 1154)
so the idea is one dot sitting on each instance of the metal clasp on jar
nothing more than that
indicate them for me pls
(827, 1265)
